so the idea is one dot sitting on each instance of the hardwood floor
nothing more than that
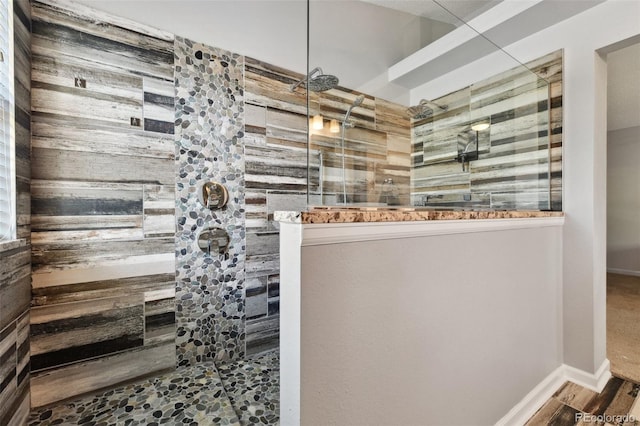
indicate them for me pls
(623, 326)
(617, 404)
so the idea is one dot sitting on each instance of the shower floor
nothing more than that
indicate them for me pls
(243, 392)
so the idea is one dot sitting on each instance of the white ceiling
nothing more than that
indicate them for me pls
(449, 11)
(623, 88)
(357, 40)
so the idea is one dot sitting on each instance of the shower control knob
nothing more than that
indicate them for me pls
(213, 195)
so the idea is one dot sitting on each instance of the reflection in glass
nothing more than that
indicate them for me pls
(485, 145)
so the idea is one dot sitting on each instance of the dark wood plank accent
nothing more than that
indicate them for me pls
(600, 402)
(82, 377)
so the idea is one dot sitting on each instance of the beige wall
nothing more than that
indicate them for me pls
(391, 331)
(623, 201)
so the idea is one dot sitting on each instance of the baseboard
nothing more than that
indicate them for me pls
(535, 399)
(623, 272)
(595, 382)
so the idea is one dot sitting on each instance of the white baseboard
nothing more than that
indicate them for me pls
(595, 382)
(623, 272)
(535, 399)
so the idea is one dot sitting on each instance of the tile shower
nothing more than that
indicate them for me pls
(144, 117)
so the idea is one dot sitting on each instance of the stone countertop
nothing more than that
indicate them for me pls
(352, 215)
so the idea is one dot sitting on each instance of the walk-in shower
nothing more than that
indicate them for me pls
(317, 81)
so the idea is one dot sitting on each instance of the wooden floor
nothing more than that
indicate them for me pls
(623, 326)
(617, 404)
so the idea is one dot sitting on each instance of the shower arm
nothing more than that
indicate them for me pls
(306, 78)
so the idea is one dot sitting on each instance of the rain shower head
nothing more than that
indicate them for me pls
(322, 82)
(425, 109)
(317, 81)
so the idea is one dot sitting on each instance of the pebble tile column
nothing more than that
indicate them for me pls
(209, 130)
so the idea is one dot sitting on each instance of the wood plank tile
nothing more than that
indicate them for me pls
(262, 334)
(574, 395)
(262, 243)
(262, 264)
(600, 402)
(58, 255)
(107, 221)
(103, 205)
(159, 317)
(61, 334)
(83, 103)
(256, 116)
(55, 132)
(18, 413)
(56, 72)
(255, 208)
(634, 411)
(96, 167)
(159, 211)
(89, 290)
(15, 286)
(623, 400)
(76, 379)
(555, 413)
(159, 108)
(392, 118)
(15, 281)
(158, 86)
(114, 27)
(55, 31)
(115, 267)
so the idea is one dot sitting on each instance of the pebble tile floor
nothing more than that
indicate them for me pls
(235, 393)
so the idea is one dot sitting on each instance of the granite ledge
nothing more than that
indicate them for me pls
(354, 215)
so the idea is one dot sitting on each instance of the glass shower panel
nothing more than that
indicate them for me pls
(380, 141)
(440, 137)
(513, 169)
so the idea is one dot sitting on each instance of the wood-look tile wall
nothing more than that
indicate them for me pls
(378, 147)
(102, 201)
(15, 257)
(520, 156)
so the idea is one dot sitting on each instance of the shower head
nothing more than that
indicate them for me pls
(425, 109)
(317, 82)
(322, 82)
(356, 103)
